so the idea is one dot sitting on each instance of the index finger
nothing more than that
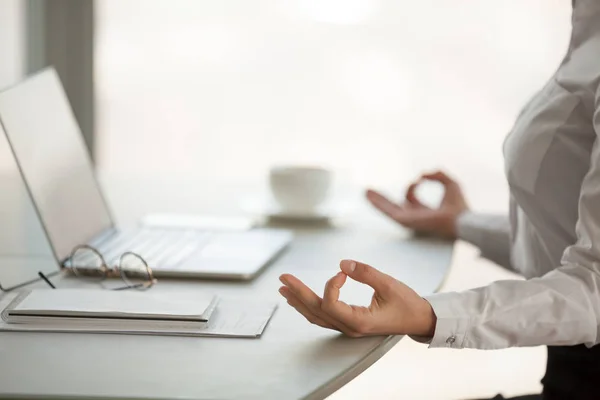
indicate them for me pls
(411, 196)
(340, 311)
(332, 288)
(439, 176)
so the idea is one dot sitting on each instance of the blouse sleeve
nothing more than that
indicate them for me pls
(561, 308)
(490, 233)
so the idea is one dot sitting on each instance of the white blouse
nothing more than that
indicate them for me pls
(552, 235)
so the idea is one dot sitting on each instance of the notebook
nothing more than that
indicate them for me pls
(106, 308)
(241, 318)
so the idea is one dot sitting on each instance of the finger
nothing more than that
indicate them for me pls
(332, 288)
(302, 292)
(383, 204)
(331, 304)
(439, 176)
(347, 316)
(368, 275)
(302, 309)
(411, 196)
(413, 217)
(405, 216)
(312, 302)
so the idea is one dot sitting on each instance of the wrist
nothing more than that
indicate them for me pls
(432, 320)
(455, 223)
(428, 321)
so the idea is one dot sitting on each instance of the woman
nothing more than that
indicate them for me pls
(552, 237)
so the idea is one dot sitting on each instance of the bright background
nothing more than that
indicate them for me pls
(378, 90)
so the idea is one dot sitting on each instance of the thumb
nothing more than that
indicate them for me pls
(366, 274)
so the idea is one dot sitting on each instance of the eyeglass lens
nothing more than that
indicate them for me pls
(87, 264)
(135, 272)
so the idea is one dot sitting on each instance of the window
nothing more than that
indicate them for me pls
(378, 90)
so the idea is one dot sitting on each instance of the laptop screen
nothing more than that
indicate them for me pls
(54, 161)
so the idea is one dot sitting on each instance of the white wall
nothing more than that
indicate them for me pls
(12, 63)
(11, 41)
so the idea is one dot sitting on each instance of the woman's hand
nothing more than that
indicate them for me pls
(420, 218)
(394, 310)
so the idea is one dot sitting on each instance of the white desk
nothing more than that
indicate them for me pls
(293, 359)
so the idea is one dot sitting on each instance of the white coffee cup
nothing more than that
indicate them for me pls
(299, 188)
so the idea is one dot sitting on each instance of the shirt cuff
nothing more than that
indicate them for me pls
(469, 228)
(452, 324)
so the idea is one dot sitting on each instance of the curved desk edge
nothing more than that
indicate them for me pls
(348, 375)
(351, 373)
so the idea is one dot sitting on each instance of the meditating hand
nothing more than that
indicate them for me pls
(395, 308)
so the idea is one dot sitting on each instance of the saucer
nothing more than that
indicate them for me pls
(269, 208)
(316, 215)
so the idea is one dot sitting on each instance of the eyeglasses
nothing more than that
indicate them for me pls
(86, 262)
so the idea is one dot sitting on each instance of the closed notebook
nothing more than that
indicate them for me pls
(106, 308)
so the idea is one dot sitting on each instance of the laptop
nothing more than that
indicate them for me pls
(55, 165)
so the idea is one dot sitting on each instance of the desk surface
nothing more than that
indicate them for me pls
(292, 360)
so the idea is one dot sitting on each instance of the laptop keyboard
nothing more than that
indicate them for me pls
(161, 248)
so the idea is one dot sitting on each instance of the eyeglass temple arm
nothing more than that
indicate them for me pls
(45, 278)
